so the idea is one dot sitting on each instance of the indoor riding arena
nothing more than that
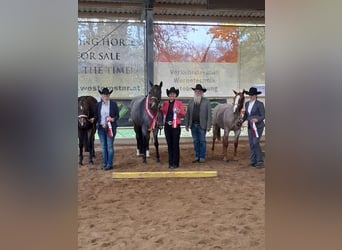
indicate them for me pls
(124, 45)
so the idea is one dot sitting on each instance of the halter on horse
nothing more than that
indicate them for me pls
(227, 116)
(145, 116)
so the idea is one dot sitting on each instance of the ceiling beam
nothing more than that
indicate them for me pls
(167, 12)
(210, 19)
(111, 5)
(180, 6)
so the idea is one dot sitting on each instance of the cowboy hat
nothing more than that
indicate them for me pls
(105, 91)
(199, 87)
(172, 90)
(253, 91)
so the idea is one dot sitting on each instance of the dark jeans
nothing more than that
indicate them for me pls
(172, 137)
(200, 144)
(254, 146)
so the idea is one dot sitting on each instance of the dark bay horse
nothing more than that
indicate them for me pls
(227, 116)
(86, 129)
(145, 111)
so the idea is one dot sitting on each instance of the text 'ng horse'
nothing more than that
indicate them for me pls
(227, 116)
(145, 111)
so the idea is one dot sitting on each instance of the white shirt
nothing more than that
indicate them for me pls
(250, 106)
(104, 113)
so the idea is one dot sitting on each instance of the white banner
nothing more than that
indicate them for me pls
(186, 55)
(218, 78)
(111, 55)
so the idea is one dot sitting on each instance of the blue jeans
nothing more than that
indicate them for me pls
(254, 146)
(200, 144)
(107, 145)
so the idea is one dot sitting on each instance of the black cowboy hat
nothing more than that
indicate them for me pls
(253, 91)
(199, 87)
(172, 90)
(105, 91)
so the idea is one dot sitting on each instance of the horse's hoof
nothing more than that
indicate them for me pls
(91, 162)
(158, 161)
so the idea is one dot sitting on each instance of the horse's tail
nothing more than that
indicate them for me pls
(216, 135)
(216, 128)
(214, 115)
(216, 132)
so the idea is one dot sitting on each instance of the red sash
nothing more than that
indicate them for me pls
(150, 115)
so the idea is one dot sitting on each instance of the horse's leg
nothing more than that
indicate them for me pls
(156, 144)
(138, 139)
(80, 146)
(91, 145)
(93, 140)
(225, 145)
(145, 140)
(148, 147)
(91, 161)
(236, 143)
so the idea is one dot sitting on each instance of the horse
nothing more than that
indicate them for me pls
(86, 129)
(227, 116)
(145, 113)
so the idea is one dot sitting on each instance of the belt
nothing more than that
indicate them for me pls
(104, 126)
(169, 123)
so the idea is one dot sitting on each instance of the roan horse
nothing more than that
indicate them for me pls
(145, 112)
(86, 129)
(227, 116)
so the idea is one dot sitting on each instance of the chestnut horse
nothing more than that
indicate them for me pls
(227, 116)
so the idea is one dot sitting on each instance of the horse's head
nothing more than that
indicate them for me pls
(82, 116)
(239, 101)
(82, 121)
(155, 96)
(85, 112)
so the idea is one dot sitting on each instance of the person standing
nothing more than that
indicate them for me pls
(255, 115)
(173, 111)
(106, 116)
(198, 119)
